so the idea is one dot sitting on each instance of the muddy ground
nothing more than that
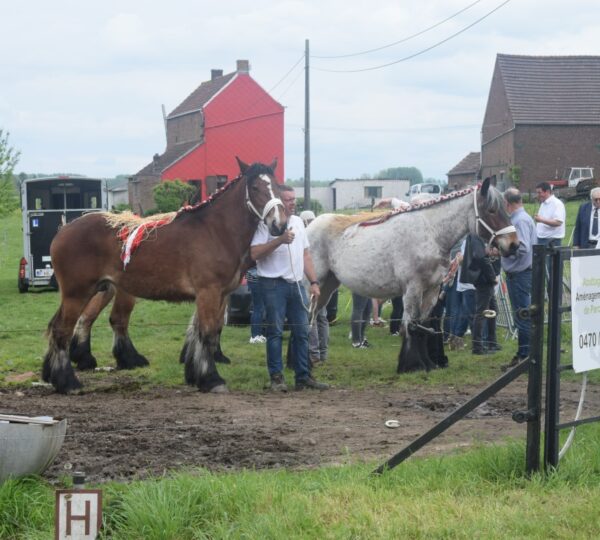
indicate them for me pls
(117, 431)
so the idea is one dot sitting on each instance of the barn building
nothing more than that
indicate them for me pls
(227, 116)
(542, 117)
(466, 172)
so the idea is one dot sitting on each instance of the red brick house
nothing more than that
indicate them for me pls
(465, 172)
(542, 116)
(228, 116)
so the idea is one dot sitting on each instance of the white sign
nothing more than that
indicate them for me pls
(78, 514)
(585, 307)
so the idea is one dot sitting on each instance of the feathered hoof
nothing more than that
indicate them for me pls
(67, 386)
(220, 389)
(222, 359)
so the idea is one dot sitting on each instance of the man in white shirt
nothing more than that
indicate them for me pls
(551, 216)
(281, 262)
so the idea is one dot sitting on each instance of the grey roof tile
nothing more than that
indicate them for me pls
(552, 89)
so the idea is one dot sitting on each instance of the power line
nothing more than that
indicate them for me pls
(419, 52)
(288, 72)
(290, 85)
(389, 130)
(403, 40)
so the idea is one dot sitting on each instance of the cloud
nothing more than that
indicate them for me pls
(84, 82)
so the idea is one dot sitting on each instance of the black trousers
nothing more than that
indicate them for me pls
(484, 299)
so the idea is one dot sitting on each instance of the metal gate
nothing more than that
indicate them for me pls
(555, 258)
(553, 425)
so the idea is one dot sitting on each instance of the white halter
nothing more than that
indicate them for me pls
(271, 203)
(505, 230)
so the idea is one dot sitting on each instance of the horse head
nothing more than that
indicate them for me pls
(262, 195)
(493, 221)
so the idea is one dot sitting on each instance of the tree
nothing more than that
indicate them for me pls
(404, 173)
(9, 158)
(172, 195)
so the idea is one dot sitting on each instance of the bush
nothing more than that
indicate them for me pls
(315, 206)
(121, 207)
(172, 195)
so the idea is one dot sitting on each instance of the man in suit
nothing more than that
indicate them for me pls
(587, 226)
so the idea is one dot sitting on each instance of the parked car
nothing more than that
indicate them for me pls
(422, 192)
(239, 305)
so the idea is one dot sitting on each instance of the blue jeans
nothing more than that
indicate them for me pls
(466, 311)
(258, 309)
(451, 309)
(361, 311)
(519, 292)
(281, 298)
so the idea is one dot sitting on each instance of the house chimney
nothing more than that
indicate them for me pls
(243, 66)
(215, 73)
(155, 163)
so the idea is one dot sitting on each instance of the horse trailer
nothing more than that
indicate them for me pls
(47, 204)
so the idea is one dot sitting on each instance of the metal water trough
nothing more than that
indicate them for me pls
(28, 445)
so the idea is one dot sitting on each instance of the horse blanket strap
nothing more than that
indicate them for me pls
(414, 206)
(132, 240)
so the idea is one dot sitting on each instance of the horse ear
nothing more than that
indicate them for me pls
(243, 166)
(273, 165)
(485, 186)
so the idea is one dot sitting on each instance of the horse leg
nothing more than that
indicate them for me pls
(57, 368)
(414, 354)
(123, 350)
(202, 340)
(80, 351)
(329, 284)
(190, 342)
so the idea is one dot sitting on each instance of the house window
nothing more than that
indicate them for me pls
(373, 192)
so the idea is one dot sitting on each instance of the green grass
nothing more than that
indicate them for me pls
(482, 493)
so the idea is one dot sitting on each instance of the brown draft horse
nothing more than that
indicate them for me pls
(196, 254)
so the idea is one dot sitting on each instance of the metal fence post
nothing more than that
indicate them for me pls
(536, 355)
(553, 364)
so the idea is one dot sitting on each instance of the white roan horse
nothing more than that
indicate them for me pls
(406, 253)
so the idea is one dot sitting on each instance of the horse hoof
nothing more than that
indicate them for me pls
(222, 359)
(140, 361)
(220, 389)
(86, 363)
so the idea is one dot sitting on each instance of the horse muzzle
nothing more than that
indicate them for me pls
(508, 244)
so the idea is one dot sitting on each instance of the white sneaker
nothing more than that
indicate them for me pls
(258, 339)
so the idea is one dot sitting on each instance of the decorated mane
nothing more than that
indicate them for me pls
(132, 230)
(418, 206)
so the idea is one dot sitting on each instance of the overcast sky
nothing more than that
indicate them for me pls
(82, 83)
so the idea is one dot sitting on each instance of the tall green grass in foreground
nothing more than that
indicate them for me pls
(482, 493)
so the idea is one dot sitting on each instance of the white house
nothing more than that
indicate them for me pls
(343, 194)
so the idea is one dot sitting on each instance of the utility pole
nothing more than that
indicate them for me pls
(306, 129)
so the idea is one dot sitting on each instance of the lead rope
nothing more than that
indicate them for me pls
(311, 308)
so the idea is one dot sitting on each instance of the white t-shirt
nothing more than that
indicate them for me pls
(278, 264)
(551, 208)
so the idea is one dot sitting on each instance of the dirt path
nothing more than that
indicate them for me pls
(120, 432)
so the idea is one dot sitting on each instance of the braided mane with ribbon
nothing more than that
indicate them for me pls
(132, 230)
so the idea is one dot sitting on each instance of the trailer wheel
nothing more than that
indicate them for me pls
(23, 285)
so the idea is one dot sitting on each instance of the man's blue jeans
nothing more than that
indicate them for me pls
(466, 311)
(519, 292)
(282, 298)
(452, 309)
(258, 309)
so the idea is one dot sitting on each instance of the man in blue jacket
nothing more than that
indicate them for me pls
(586, 226)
